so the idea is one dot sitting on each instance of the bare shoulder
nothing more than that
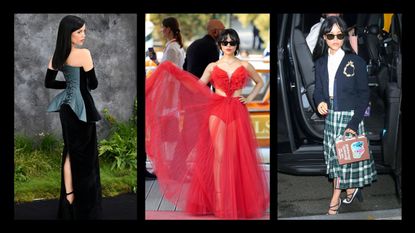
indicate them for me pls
(86, 59)
(247, 65)
(84, 54)
(207, 73)
(211, 66)
(85, 51)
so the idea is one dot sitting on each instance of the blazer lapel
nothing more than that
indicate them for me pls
(326, 73)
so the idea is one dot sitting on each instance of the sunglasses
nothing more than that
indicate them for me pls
(331, 36)
(225, 43)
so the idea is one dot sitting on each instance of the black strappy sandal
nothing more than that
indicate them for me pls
(67, 194)
(68, 212)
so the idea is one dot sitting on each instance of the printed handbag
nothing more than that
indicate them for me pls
(352, 149)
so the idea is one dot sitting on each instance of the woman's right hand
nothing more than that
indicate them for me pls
(322, 108)
(152, 54)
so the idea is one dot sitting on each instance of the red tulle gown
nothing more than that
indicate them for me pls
(202, 145)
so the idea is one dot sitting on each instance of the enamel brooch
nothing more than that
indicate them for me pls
(349, 69)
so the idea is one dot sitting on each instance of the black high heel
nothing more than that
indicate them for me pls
(69, 210)
(150, 176)
(66, 197)
(350, 197)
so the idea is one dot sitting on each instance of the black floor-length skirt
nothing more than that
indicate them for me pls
(80, 141)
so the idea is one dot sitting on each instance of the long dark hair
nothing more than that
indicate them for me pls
(173, 24)
(232, 34)
(68, 24)
(321, 47)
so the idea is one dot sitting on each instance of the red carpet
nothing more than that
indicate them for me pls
(177, 215)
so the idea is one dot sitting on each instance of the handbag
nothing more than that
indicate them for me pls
(352, 149)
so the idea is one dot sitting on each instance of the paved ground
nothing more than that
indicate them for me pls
(392, 214)
(305, 196)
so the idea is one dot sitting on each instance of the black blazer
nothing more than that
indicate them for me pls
(199, 54)
(351, 90)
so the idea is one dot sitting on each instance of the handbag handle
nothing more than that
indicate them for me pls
(344, 135)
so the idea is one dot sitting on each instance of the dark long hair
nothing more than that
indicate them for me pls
(321, 47)
(232, 34)
(68, 24)
(173, 24)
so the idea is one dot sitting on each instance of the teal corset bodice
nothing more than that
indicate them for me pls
(71, 95)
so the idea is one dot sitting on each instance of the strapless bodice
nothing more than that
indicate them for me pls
(76, 93)
(229, 84)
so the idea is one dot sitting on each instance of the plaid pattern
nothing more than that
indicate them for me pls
(350, 175)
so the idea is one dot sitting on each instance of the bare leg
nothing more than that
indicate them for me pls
(335, 199)
(67, 176)
(350, 193)
(217, 134)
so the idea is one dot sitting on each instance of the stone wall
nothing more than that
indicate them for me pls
(112, 40)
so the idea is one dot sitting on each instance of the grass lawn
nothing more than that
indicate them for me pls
(37, 172)
(37, 162)
(47, 185)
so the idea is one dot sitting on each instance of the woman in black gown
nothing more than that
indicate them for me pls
(80, 196)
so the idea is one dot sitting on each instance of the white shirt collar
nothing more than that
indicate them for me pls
(339, 54)
(333, 64)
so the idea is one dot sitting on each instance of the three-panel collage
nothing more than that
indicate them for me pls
(172, 112)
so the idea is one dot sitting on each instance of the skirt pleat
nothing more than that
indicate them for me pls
(351, 175)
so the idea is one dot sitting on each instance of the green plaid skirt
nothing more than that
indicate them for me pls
(350, 175)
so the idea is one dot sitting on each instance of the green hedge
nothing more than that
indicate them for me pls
(38, 162)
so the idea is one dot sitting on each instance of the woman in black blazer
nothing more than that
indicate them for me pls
(342, 96)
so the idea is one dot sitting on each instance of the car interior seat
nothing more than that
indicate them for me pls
(373, 37)
(304, 60)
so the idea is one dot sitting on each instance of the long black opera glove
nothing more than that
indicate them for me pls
(91, 79)
(50, 81)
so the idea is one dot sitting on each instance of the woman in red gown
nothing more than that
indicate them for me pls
(202, 144)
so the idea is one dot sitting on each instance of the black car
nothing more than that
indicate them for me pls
(300, 129)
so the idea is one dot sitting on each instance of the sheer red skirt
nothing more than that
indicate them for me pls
(203, 147)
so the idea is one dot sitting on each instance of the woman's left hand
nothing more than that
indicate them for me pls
(349, 130)
(243, 100)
